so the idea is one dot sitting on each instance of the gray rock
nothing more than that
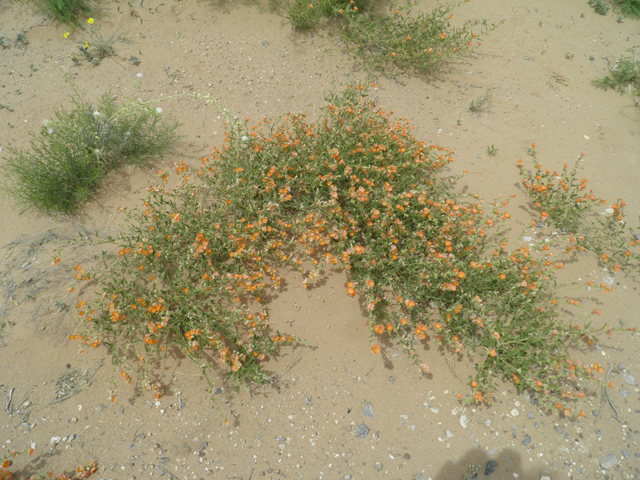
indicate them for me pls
(367, 411)
(628, 378)
(526, 441)
(418, 476)
(378, 466)
(625, 454)
(544, 477)
(491, 467)
(531, 415)
(362, 430)
(513, 427)
(622, 367)
(448, 433)
(609, 461)
(347, 477)
(625, 393)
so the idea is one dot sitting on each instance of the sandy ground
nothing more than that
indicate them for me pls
(539, 64)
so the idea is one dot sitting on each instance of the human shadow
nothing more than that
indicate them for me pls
(473, 466)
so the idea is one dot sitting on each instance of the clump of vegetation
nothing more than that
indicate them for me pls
(630, 7)
(76, 150)
(402, 40)
(564, 202)
(308, 14)
(98, 47)
(65, 11)
(600, 6)
(477, 105)
(624, 76)
(82, 471)
(196, 264)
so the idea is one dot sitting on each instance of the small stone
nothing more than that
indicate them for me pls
(217, 391)
(464, 421)
(625, 454)
(121, 409)
(513, 427)
(418, 476)
(101, 407)
(72, 437)
(74, 420)
(544, 477)
(491, 467)
(434, 410)
(527, 239)
(492, 451)
(413, 428)
(362, 431)
(487, 423)
(515, 412)
(598, 432)
(282, 446)
(55, 440)
(622, 367)
(448, 433)
(625, 393)
(609, 461)
(378, 466)
(367, 411)
(628, 378)
(531, 415)
(526, 441)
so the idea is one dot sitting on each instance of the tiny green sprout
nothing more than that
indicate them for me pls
(492, 150)
(459, 121)
(619, 19)
(569, 56)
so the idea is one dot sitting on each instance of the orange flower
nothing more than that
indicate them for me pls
(390, 327)
(437, 326)
(461, 274)
(474, 384)
(492, 352)
(502, 276)
(496, 335)
(376, 349)
(379, 329)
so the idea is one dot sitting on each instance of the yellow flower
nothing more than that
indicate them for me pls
(86, 44)
(90, 21)
(65, 35)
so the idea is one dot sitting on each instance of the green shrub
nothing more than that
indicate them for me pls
(73, 152)
(65, 11)
(401, 40)
(630, 7)
(356, 189)
(600, 6)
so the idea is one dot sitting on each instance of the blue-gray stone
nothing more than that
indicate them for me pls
(491, 467)
(526, 441)
(609, 461)
(362, 430)
(367, 411)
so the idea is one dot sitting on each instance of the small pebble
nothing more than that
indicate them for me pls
(378, 466)
(544, 477)
(418, 476)
(492, 451)
(367, 411)
(362, 431)
(448, 433)
(491, 467)
(530, 415)
(526, 441)
(625, 393)
(628, 378)
(609, 461)
(598, 432)
(513, 426)
(625, 454)
(515, 412)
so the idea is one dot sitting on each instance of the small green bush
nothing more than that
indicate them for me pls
(75, 151)
(600, 6)
(630, 7)
(65, 11)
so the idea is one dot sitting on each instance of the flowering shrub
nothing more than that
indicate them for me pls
(354, 189)
(560, 199)
(82, 471)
